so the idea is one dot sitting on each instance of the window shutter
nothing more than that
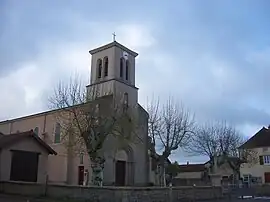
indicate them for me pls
(261, 160)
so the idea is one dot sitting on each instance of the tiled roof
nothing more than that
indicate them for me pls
(260, 139)
(192, 168)
(6, 140)
(222, 159)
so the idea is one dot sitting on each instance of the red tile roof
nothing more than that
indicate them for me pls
(260, 139)
(6, 140)
(192, 168)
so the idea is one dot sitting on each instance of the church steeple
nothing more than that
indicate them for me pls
(113, 70)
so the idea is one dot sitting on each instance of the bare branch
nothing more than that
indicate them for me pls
(171, 125)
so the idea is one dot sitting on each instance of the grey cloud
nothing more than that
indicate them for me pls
(208, 59)
(215, 87)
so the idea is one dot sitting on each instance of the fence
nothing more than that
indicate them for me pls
(245, 190)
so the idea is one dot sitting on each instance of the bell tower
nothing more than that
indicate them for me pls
(113, 72)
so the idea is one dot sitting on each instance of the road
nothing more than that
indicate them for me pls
(7, 198)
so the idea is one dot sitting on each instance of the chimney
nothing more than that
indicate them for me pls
(187, 163)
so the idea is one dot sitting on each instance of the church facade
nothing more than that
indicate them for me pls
(112, 73)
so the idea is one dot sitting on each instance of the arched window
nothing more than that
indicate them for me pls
(81, 157)
(127, 69)
(106, 64)
(57, 132)
(36, 131)
(99, 68)
(126, 99)
(97, 108)
(121, 67)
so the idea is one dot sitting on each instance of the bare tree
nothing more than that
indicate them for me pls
(218, 140)
(88, 120)
(170, 127)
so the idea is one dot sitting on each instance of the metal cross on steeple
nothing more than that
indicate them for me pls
(114, 35)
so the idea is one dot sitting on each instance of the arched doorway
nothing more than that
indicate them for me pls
(124, 167)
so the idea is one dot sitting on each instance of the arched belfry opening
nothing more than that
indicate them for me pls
(121, 67)
(99, 68)
(127, 70)
(106, 66)
(124, 167)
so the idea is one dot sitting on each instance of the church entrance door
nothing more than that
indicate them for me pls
(120, 173)
(80, 175)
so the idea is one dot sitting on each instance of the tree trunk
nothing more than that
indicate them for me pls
(163, 168)
(162, 175)
(97, 166)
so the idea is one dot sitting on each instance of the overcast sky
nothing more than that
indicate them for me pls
(211, 55)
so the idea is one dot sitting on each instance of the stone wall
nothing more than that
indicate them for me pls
(262, 190)
(112, 194)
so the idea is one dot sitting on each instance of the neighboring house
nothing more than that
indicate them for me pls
(200, 174)
(257, 151)
(190, 174)
(113, 76)
(24, 157)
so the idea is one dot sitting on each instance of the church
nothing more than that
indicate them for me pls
(112, 73)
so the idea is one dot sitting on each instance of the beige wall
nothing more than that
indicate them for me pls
(253, 167)
(28, 144)
(106, 88)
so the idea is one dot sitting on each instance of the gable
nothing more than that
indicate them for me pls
(28, 139)
(260, 139)
(27, 144)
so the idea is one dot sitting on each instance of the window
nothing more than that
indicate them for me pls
(81, 158)
(99, 68)
(126, 99)
(265, 160)
(106, 63)
(97, 108)
(121, 67)
(127, 70)
(57, 133)
(246, 178)
(125, 107)
(36, 131)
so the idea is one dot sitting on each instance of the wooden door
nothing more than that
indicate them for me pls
(80, 175)
(267, 177)
(24, 166)
(120, 173)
